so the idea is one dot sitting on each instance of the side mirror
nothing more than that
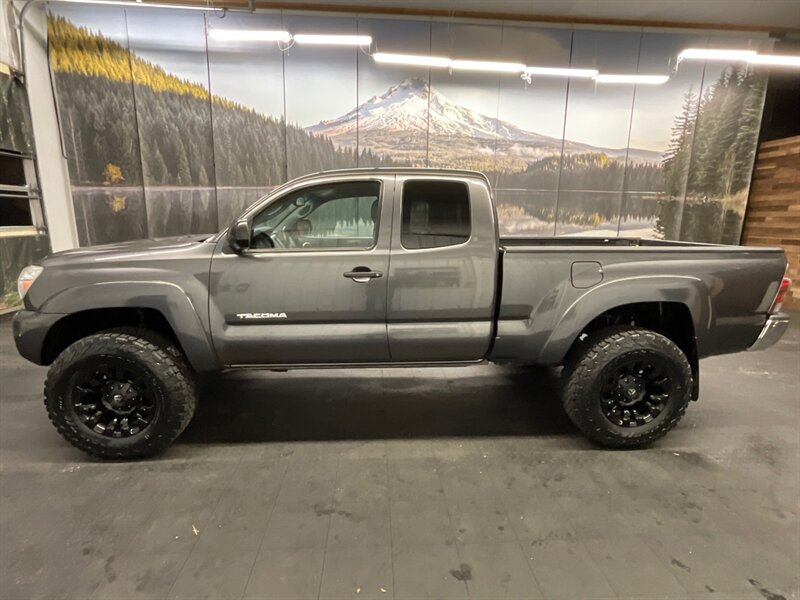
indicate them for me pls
(239, 235)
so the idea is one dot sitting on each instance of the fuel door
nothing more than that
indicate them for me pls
(586, 274)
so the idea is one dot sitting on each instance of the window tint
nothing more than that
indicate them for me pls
(15, 212)
(435, 214)
(333, 216)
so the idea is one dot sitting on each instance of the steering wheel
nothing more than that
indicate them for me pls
(263, 240)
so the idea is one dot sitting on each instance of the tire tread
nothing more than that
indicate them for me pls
(159, 355)
(581, 370)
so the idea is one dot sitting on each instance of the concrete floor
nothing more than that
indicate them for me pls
(438, 483)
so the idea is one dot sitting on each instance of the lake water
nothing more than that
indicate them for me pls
(106, 215)
(115, 214)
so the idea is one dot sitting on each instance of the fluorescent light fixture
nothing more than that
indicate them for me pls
(645, 79)
(554, 72)
(142, 4)
(483, 65)
(716, 54)
(775, 60)
(249, 35)
(411, 59)
(333, 40)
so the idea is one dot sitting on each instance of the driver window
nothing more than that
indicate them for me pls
(336, 216)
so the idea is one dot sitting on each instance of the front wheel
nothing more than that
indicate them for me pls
(120, 395)
(626, 387)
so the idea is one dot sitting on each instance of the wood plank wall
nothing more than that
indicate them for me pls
(773, 210)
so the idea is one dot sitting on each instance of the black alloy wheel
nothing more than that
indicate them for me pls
(626, 387)
(120, 394)
(636, 390)
(113, 398)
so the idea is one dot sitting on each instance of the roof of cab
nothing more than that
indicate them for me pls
(422, 171)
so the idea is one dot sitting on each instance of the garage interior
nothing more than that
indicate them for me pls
(441, 482)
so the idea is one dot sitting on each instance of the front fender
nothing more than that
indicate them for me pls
(579, 312)
(167, 298)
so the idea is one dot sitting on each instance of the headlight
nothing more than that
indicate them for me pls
(27, 277)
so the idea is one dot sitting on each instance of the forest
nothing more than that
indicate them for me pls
(586, 171)
(710, 155)
(105, 93)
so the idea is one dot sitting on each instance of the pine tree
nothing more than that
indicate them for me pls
(157, 169)
(676, 158)
(184, 177)
(746, 140)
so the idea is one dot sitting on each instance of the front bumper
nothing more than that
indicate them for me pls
(30, 330)
(772, 331)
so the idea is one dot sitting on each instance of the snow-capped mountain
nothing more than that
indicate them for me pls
(405, 107)
(398, 121)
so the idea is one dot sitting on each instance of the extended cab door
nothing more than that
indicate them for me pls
(319, 295)
(443, 269)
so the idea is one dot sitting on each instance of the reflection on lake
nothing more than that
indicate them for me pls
(109, 215)
(529, 213)
(114, 214)
(175, 212)
(591, 212)
(232, 202)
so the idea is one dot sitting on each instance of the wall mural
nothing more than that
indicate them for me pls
(170, 131)
(15, 125)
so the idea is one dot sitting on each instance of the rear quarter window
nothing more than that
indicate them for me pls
(435, 214)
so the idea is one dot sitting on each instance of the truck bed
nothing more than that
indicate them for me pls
(550, 288)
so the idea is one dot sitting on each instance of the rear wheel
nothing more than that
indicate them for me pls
(120, 395)
(626, 387)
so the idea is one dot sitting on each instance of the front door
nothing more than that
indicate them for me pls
(312, 287)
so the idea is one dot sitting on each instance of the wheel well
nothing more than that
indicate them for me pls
(78, 325)
(671, 319)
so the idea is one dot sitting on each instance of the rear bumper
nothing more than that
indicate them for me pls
(772, 331)
(30, 329)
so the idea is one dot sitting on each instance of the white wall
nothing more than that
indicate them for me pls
(9, 52)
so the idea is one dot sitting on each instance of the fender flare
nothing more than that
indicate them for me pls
(690, 291)
(167, 298)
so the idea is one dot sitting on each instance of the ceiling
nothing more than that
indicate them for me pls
(764, 15)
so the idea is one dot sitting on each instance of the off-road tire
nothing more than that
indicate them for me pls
(172, 380)
(582, 378)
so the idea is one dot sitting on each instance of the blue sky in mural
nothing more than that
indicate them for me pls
(539, 106)
(320, 80)
(249, 73)
(398, 37)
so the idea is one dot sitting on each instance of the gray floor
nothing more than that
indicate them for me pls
(439, 483)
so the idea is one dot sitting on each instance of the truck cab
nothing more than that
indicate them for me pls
(359, 267)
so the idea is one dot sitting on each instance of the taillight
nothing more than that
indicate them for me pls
(784, 287)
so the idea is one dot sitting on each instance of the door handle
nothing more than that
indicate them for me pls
(362, 274)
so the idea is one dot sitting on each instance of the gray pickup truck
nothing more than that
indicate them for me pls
(375, 267)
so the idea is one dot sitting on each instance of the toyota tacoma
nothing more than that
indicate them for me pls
(386, 267)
